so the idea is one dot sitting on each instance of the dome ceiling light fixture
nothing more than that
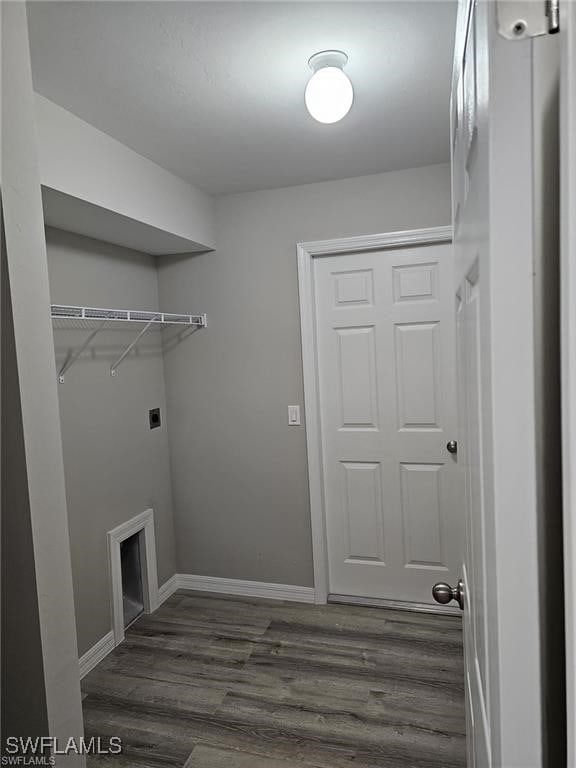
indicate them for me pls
(329, 93)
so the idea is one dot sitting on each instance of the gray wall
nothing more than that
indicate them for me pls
(40, 676)
(239, 472)
(24, 708)
(88, 165)
(115, 466)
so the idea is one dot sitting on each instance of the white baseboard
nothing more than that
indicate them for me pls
(297, 594)
(245, 588)
(167, 589)
(94, 655)
(102, 648)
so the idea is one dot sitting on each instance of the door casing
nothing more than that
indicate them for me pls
(306, 252)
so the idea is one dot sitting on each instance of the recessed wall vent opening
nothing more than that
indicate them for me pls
(132, 592)
(133, 575)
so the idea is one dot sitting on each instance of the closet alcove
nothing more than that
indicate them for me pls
(111, 335)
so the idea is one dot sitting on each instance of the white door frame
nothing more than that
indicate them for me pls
(306, 253)
(144, 525)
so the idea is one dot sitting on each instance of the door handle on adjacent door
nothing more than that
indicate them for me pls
(452, 446)
(444, 593)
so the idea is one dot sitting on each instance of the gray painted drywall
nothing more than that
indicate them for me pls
(115, 466)
(72, 214)
(50, 687)
(23, 714)
(239, 473)
(84, 163)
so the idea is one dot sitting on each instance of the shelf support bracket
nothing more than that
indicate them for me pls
(131, 346)
(77, 352)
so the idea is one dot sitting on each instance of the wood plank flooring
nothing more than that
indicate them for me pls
(215, 682)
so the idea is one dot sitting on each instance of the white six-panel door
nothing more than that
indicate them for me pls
(386, 365)
(492, 181)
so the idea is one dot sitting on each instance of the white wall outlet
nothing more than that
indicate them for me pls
(294, 415)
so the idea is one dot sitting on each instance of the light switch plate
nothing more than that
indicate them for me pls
(294, 415)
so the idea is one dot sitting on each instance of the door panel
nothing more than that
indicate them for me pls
(387, 397)
(357, 377)
(421, 510)
(362, 505)
(475, 622)
(417, 375)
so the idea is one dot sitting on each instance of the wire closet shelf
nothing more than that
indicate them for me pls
(97, 318)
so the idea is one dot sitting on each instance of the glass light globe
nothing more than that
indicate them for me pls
(329, 95)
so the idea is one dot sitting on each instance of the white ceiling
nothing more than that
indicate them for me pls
(214, 91)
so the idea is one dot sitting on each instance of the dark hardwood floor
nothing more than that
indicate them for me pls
(216, 682)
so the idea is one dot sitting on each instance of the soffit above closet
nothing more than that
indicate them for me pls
(83, 218)
(213, 91)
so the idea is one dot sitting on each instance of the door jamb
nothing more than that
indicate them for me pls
(306, 253)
